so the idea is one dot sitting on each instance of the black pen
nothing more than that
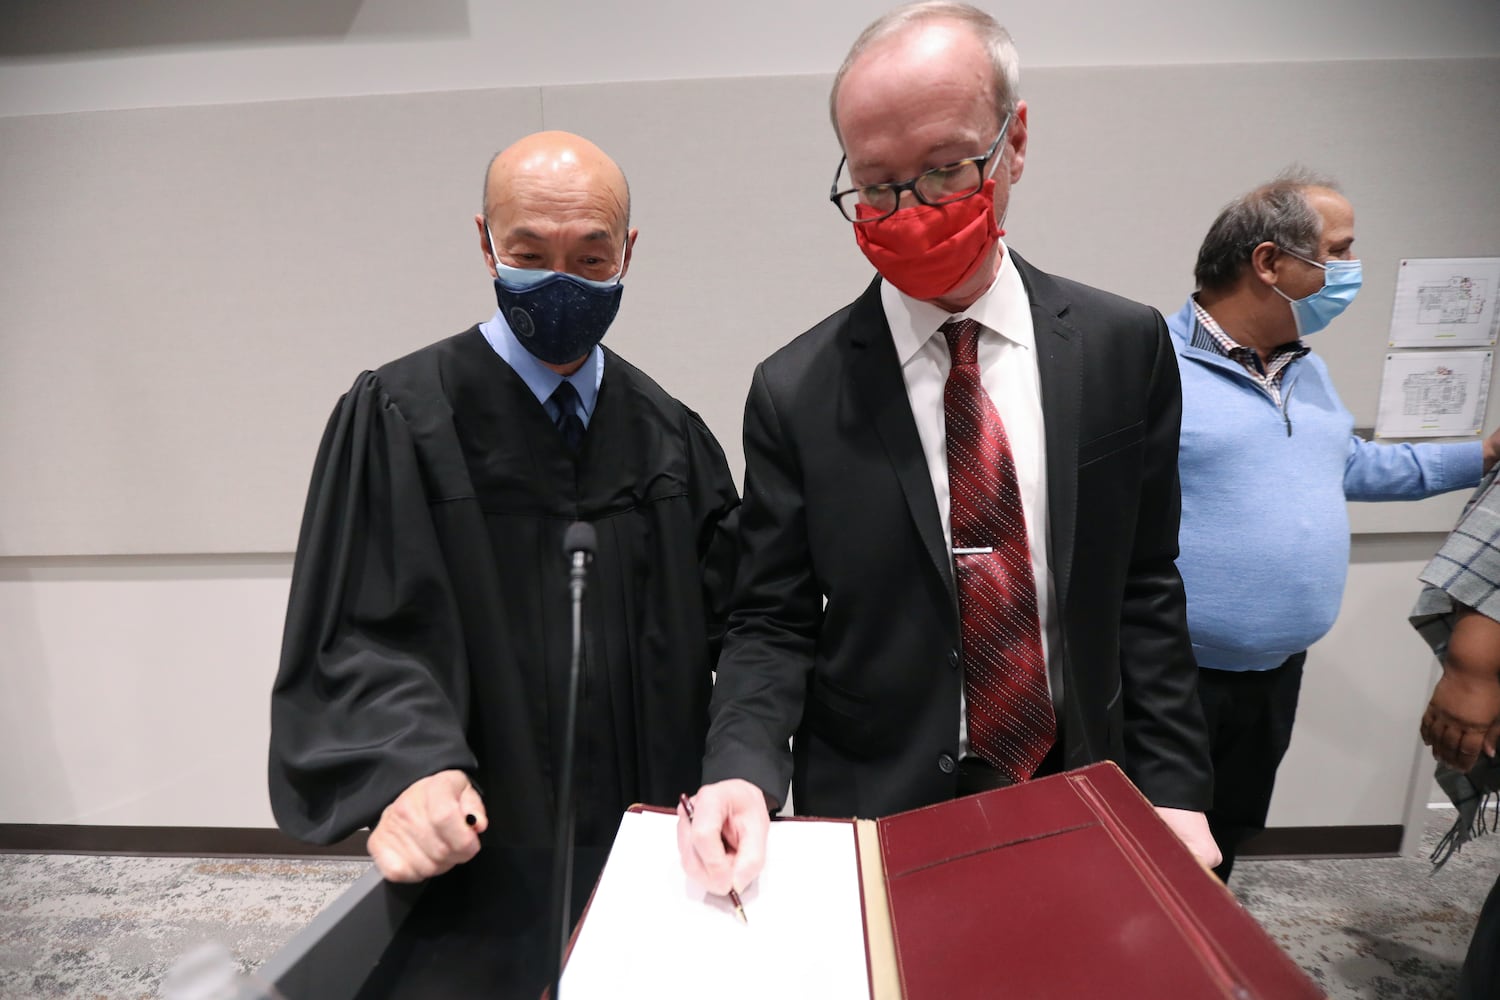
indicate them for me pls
(734, 897)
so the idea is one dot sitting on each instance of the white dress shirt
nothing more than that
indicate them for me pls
(1008, 372)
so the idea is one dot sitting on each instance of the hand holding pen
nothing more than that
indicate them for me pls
(721, 837)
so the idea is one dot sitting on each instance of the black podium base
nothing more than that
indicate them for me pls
(480, 931)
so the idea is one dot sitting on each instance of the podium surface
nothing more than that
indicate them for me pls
(1065, 886)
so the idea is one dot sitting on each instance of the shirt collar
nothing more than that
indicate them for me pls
(1218, 341)
(541, 380)
(1003, 309)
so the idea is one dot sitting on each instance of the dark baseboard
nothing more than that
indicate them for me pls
(170, 841)
(246, 842)
(1324, 842)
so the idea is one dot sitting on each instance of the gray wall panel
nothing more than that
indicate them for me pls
(1129, 166)
(186, 291)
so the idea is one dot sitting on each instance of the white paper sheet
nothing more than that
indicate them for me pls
(1433, 393)
(1446, 302)
(651, 932)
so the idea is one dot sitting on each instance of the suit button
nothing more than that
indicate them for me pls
(945, 763)
(953, 658)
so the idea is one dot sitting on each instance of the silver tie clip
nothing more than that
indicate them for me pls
(982, 550)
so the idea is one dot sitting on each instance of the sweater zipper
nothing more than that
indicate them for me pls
(1286, 401)
(1286, 396)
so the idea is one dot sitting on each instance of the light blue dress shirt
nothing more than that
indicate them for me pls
(540, 379)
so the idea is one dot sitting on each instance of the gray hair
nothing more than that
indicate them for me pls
(1277, 212)
(1004, 62)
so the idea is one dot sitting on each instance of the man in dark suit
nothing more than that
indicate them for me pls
(961, 497)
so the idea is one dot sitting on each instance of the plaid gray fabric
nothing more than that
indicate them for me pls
(1465, 571)
(1210, 336)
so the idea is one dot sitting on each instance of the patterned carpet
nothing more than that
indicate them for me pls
(1383, 928)
(109, 927)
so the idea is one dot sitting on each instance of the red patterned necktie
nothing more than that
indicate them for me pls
(1011, 722)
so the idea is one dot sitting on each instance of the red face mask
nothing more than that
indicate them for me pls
(929, 250)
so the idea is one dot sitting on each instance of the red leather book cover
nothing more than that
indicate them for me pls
(1067, 886)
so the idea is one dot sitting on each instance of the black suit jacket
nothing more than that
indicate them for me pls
(845, 631)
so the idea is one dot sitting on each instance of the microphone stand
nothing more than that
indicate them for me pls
(578, 543)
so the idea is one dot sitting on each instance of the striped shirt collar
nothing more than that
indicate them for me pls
(1209, 336)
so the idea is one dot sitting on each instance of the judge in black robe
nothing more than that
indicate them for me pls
(428, 625)
(428, 622)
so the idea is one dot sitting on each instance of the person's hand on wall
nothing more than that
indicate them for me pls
(1491, 449)
(427, 830)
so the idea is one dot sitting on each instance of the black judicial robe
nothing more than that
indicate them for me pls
(428, 624)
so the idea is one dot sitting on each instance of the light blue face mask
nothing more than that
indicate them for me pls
(1341, 282)
(521, 278)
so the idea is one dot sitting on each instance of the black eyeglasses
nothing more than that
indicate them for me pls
(938, 186)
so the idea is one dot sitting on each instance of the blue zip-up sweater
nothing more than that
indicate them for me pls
(1265, 532)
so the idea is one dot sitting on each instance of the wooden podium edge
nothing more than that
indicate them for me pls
(880, 938)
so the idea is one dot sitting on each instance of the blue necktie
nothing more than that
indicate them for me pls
(565, 400)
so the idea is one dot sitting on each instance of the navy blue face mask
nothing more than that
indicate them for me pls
(557, 316)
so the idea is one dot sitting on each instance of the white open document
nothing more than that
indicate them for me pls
(651, 932)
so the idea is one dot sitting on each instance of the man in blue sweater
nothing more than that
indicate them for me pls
(1267, 458)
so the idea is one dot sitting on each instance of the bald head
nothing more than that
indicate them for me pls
(907, 31)
(554, 200)
(555, 157)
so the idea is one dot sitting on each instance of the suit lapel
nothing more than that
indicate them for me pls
(876, 374)
(1059, 364)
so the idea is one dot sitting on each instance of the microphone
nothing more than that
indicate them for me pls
(579, 543)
